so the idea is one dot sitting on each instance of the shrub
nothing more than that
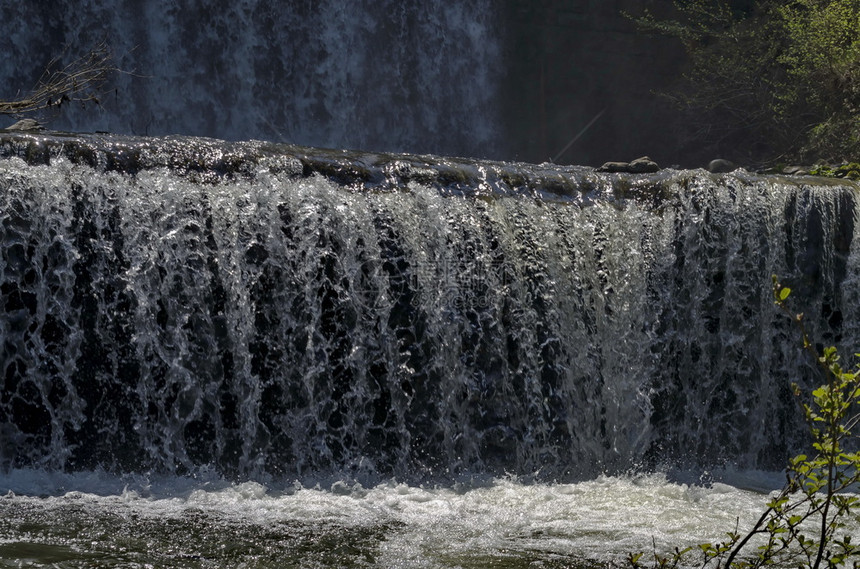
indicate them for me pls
(802, 525)
(771, 80)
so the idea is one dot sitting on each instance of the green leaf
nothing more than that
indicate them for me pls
(812, 484)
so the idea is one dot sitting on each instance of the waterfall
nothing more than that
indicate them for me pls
(265, 310)
(399, 75)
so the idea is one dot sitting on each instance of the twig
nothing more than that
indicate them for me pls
(81, 81)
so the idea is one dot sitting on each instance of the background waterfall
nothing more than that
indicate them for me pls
(276, 311)
(511, 79)
(380, 75)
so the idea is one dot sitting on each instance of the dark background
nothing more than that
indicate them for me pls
(578, 58)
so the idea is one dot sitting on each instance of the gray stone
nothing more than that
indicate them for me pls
(614, 167)
(721, 166)
(639, 166)
(27, 125)
(643, 165)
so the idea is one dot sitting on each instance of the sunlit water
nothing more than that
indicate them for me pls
(266, 310)
(477, 351)
(94, 520)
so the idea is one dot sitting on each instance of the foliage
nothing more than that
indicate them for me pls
(771, 80)
(802, 524)
(849, 170)
(80, 81)
(822, 59)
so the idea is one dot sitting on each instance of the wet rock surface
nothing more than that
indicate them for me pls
(641, 165)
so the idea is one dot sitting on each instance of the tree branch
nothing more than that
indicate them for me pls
(81, 81)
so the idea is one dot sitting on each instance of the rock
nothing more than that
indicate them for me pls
(643, 165)
(795, 170)
(721, 166)
(638, 166)
(27, 125)
(614, 167)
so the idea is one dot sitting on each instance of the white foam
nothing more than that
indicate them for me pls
(604, 518)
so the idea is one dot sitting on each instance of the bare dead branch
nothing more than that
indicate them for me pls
(81, 81)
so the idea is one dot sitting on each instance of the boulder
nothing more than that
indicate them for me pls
(27, 125)
(614, 167)
(721, 166)
(643, 165)
(639, 166)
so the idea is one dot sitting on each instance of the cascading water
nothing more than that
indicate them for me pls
(412, 75)
(258, 355)
(279, 313)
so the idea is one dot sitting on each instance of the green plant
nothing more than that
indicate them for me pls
(769, 79)
(802, 526)
(849, 170)
(822, 63)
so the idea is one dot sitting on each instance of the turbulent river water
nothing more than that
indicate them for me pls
(93, 520)
(217, 354)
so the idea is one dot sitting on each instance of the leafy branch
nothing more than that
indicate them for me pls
(768, 79)
(801, 525)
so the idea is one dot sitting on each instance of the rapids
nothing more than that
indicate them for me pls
(504, 523)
